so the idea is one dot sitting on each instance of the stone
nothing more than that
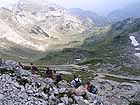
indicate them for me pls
(52, 97)
(70, 100)
(1, 96)
(61, 104)
(55, 90)
(80, 100)
(80, 91)
(63, 84)
(62, 90)
(49, 81)
(65, 99)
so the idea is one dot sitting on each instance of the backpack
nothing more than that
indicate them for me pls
(58, 77)
(34, 68)
(93, 89)
(77, 83)
(89, 88)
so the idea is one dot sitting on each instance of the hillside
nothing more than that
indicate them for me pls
(35, 28)
(112, 50)
(52, 43)
(90, 16)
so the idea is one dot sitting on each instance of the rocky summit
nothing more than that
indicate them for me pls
(20, 87)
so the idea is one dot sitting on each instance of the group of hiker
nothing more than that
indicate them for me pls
(53, 75)
(49, 73)
(76, 82)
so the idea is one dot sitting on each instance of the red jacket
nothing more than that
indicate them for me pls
(89, 87)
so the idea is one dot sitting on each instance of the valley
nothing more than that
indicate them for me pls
(102, 49)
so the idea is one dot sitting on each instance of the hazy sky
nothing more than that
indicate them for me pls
(100, 6)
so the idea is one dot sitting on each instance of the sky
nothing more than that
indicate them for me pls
(102, 7)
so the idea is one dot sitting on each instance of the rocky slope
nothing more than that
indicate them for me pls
(39, 27)
(20, 87)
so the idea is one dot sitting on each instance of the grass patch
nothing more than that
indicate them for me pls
(85, 76)
(92, 61)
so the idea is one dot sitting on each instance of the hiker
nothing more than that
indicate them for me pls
(18, 68)
(58, 77)
(91, 88)
(19, 65)
(76, 82)
(49, 73)
(54, 74)
(33, 68)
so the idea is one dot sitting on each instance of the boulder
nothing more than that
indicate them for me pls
(80, 91)
(65, 99)
(80, 100)
(10, 63)
(63, 84)
(62, 90)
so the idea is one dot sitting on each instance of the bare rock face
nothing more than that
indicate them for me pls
(36, 26)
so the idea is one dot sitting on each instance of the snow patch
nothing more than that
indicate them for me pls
(134, 41)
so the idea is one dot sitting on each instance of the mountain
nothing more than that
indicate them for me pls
(89, 15)
(129, 11)
(33, 27)
(116, 48)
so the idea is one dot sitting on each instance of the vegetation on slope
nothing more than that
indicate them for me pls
(110, 47)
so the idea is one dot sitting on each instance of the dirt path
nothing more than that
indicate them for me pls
(124, 77)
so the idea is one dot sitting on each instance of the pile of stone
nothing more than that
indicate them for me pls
(28, 89)
(23, 88)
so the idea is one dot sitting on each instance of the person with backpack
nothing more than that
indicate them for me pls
(19, 66)
(76, 82)
(18, 69)
(91, 88)
(58, 77)
(49, 73)
(33, 68)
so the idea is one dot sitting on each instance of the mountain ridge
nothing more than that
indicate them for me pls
(39, 29)
(127, 12)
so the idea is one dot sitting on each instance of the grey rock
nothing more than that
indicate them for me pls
(65, 99)
(62, 90)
